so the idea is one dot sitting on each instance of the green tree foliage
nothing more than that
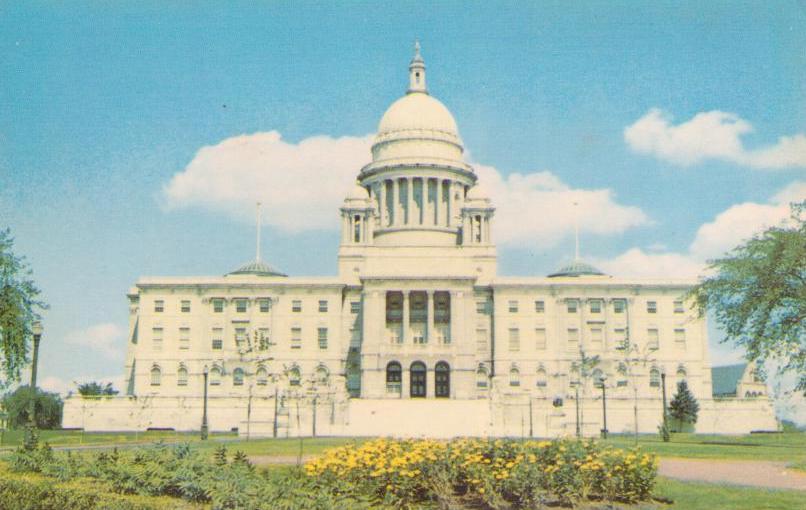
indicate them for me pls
(48, 408)
(96, 389)
(19, 306)
(684, 407)
(758, 295)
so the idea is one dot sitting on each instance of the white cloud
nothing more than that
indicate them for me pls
(710, 135)
(106, 338)
(638, 263)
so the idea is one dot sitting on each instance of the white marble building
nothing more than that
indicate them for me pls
(417, 335)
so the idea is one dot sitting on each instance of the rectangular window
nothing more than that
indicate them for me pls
(540, 306)
(653, 339)
(514, 339)
(621, 383)
(296, 306)
(185, 306)
(156, 336)
(573, 337)
(263, 339)
(597, 335)
(680, 337)
(481, 307)
(296, 338)
(240, 305)
(540, 338)
(513, 307)
(159, 306)
(218, 305)
(240, 338)
(184, 338)
(678, 306)
(571, 305)
(322, 306)
(264, 305)
(595, 306)
(321, 335)
(218, 339)
(619, 338)
(355, 306)
(619, 305)
(651, 307)
(481, 340)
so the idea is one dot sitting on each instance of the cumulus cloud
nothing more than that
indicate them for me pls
(106, 338)
(713, 239)
(710, 135)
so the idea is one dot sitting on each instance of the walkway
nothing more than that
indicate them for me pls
(756, 473)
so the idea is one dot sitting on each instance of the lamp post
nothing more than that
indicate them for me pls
(604, 406)
(663, 388)
(575, 384)
(36, 329)
(206, 372)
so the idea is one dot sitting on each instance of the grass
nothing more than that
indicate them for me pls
(13, 438)
(705, 496)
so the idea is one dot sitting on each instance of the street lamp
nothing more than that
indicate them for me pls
(663, 386)
(602, 381)
(206, 372)
(36, 329)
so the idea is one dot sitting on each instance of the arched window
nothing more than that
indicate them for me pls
(541, 380)
(598, 378)
(322, 375)
(481, 378)
(681, 373)
(418, 380)
(442, 380)
(394, 377)
(237, 377)
(215, 376)
(156, 376)
(262, 376)
(294, 376)
(654, 377)
(182, 376)
(514, 377)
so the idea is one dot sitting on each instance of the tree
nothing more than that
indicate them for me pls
(758, 295)
(48, 408)
(19, 305)
(96, 389)
(684, 406)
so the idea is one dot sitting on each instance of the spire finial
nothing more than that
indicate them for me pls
(257, 249)
(417, 71)
(417, 49)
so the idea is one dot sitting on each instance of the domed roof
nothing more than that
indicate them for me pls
(575, 269)
(358, 193)
(418, 111)
(256, 268)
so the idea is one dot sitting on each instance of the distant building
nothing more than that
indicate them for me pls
(417, 335)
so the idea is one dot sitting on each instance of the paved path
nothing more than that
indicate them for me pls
(756, 473)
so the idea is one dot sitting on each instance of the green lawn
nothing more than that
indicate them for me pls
(702, 496)
(11, 438)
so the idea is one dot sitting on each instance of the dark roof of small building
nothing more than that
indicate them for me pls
(257, 268)
(577, 268)
(725, 379)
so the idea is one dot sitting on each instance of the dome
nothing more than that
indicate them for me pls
(256, 268)
(417, 111)
(577, 268)
(358, 193)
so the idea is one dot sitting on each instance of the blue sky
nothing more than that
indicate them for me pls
(668, 117)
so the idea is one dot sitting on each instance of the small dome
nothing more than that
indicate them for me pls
(256, 268)
(358, 193)
(417, 111)
(575, 269)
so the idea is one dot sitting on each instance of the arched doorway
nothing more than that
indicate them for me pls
(442, 380)
(418, 380)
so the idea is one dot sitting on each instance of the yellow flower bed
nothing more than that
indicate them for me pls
(495, 473)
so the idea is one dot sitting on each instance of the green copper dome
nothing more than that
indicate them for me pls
(577, 268)
(257, 268)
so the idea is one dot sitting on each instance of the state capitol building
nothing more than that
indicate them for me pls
(417, 335)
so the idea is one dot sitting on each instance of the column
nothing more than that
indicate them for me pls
(438, 202)
(366, 227)
(410, 201)
(449, 205)
(487, 239)
(382, 202)
(404, 333)
(467, 234)
(395, 202)
(428, 214)
(430, 330)
(345, 228)
(453, 322)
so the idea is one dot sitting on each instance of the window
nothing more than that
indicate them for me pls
(394, 377)
(218, 305)
(481, 378)
(322, 306)
(321, 335)
(296, 306)
(540, 338)
(262, 376)
(417, 380)
(481, 307)
(653, 340)
(215, 377)
(541, 381)
(240, 338)
(654, 378)
(263, 339)
(481, 340)
(651, 307)
(357, 229)
(622, 372)
(218, 339)
(513, 307)
(156, 376)
(442, 380)
(678, 306)
(571, 305)
(184, 338)
(159, 306)
(296, 338)
(619, 305)
(620, 337)
(596, 334)
(621, 383)
(514, 377)
(514, 339)
(240, 305)
(595, 306)
(294, 376)
(355, 306)
(322, 376)
(264, 304)
(598, 378)
(573, 337)
(237, 377)
(182, 376)
(156, 337)
(680, 337)
(185, 306)
(540, 306)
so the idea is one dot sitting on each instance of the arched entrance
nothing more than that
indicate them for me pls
(442, 380)
(418, 380)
